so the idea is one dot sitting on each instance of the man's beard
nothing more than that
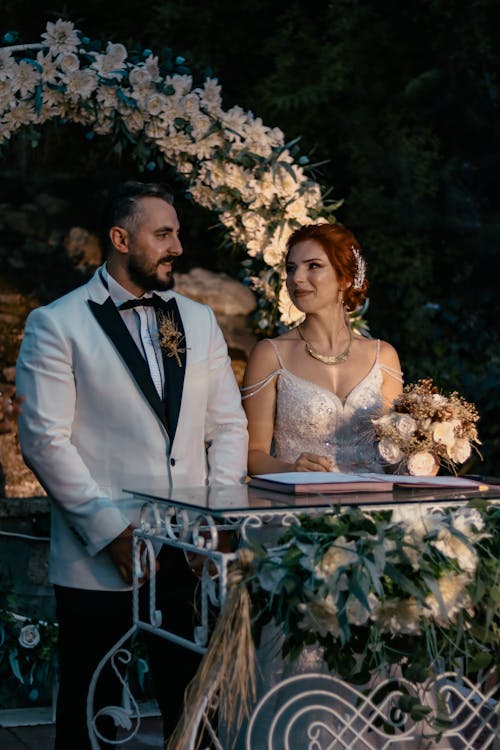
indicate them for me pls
(145, 277)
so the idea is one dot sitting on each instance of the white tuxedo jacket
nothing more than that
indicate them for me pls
(93, 424)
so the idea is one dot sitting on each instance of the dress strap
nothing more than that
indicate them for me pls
(251, 390)
(396, 374)
(276, 351)
(391, 371)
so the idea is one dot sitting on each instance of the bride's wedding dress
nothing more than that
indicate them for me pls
(312, 419)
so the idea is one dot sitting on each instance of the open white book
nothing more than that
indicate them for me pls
(300, 482)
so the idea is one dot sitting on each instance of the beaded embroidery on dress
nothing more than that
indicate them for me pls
(313, 419)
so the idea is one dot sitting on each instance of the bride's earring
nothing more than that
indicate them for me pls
(341, 297)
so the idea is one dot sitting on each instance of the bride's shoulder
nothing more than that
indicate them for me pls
(267, 353)
(263, 355)
(388, 356)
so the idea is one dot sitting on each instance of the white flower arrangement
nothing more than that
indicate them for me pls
(232, 162)
(415, 586)
(427, 429)
(411, 592)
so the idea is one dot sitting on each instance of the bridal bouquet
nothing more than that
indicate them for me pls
(427, 429)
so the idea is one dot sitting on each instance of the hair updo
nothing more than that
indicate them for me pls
(338, 243)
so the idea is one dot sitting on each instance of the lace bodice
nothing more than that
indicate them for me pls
(314, 419)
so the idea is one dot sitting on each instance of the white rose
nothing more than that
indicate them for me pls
(405, 425)
(81, 83)
(422, 464)
(444, 433)
(29, 637)
(390, 452)
(460, 451)
(68, 62)
(454, 597)
(438, 400)
(341, 554)
(451, 546)
(139, 77)
(357, 614)
(155, 104)
(320, 616)
(253, 222)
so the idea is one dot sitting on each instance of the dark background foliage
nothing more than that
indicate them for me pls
(401, 100)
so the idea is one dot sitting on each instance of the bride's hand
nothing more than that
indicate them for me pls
(312, 462)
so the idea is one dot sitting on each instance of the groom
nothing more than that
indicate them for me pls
(122, 379)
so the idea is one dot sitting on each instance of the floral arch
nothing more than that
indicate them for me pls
(230, 161)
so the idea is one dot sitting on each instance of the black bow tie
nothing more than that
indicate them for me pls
(154, 301)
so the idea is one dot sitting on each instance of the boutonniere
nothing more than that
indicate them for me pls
(170, 336)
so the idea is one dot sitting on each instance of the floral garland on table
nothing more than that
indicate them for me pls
(372, 586)
(427, 429)
(232, 163)
(410, 588)
(411, 592)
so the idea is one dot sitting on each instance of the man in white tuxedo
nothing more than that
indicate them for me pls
(106, 403)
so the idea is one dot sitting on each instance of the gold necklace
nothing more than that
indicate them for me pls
(327, 359)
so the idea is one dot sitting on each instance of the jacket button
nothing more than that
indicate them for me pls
(172, 462)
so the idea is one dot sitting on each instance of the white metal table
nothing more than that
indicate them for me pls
(191, 519)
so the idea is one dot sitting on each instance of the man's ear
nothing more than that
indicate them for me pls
(119, 239)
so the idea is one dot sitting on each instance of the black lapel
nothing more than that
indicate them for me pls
(110, 321)
(174, 375)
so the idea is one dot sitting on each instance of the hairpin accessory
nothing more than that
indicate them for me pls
(359, 275)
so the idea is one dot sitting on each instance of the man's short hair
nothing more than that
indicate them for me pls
(123, 205)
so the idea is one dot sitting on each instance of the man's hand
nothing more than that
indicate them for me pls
(196, 562)
(120, 551)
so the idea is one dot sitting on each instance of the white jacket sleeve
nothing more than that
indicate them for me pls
(45, 377)
(225, 424)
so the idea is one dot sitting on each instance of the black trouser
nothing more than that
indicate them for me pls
(91, 622)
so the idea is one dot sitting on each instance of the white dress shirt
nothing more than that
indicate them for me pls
(143, 327)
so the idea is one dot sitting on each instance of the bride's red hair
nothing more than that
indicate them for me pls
(337, 242)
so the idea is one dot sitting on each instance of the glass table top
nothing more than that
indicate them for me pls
(227, 500)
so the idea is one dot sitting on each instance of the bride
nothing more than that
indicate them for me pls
(309, 394)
